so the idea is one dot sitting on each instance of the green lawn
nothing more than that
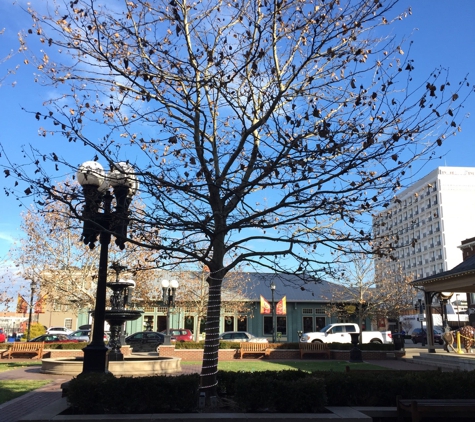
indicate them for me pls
(14, 365)
(309, 366)
(11, 389)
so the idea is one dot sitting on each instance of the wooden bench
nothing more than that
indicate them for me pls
(21, 348)
(422, 408)
(314, 348)
(254, 349)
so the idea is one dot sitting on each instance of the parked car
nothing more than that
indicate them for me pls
(54, 338)
(81, 335)
(3, 337)
(242, 336)
(180, 334)
(418, 334)
(85, 327)
(145, 341)
(59, 330)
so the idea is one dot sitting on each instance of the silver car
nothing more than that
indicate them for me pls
(59, 330)
(242, 336)
(80, 335)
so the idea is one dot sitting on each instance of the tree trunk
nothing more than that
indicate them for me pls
(209, 369)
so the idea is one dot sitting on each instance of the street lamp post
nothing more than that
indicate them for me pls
(96, 186)
(168, 294)
(458, 307)
(274, 325)
(443, 313)
(32, 296)
(421, 317)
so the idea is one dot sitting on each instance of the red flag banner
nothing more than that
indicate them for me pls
(281, 308)
(39, 305)
(265, 306)
(21, 305)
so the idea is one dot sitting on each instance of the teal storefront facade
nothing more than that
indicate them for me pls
(307, 309)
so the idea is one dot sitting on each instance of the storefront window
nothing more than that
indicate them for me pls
(281, 325)
(229, 323)
(242, 323)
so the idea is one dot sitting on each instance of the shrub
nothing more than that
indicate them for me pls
(66, 346)
(382, 387)
(106, 394)
(287, 346)
(285, 392)
(293, 346)
(305, 395)
(201, 345)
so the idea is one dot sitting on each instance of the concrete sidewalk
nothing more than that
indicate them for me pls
(15, 409)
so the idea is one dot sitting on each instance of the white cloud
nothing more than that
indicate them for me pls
(6, 237)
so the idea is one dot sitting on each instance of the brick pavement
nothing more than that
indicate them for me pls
(17, 408)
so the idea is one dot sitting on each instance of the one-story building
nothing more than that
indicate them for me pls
(307, 309)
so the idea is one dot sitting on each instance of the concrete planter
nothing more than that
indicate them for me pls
(340, 414)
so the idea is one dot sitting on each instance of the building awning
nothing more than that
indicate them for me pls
(459, 279)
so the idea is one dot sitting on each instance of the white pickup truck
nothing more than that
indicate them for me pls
(340, 333)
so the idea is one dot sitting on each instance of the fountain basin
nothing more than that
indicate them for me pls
(139, 366)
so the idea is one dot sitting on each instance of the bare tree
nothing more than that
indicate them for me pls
(5, 59)
(64, 269)
(360, 292)
(401, 293)
(262, 132)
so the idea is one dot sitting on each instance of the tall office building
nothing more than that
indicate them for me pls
(428, 221)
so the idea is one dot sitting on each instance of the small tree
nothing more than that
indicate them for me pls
(36, 329)
(64, 269)
(360, 292)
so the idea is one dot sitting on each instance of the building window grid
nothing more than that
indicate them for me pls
(429, 191)
(68, 323)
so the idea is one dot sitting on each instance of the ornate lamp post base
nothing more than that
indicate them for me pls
(96, 359)
(356, 356)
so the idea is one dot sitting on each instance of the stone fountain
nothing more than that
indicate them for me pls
(119, 365)
(118, 314)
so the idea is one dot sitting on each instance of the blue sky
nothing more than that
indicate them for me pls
(442, 32)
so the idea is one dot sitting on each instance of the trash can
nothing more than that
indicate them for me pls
(398, 340)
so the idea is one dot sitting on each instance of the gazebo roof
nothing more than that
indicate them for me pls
(459, 279)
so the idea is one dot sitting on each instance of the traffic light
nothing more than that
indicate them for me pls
(421, 306)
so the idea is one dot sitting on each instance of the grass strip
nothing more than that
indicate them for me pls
(11, 389)
(7, 366)
(308, 366)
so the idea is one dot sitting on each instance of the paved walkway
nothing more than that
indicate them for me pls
(17, 408)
